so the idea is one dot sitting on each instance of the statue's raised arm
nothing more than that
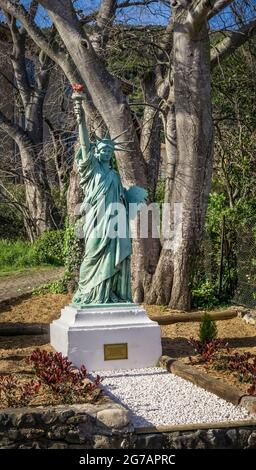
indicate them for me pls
(78, 96)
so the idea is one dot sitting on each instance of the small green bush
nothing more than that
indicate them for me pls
(56, 287)
(72, 254)
(11, 223)
(48, 248)
(204, 295)
(208, 329)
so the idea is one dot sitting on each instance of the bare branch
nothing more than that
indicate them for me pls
(218, 7)
(130, 3)
(13, 200)
(233, 41)
(12, 129)
(197, 15)
(125, 4)
(56, 52)
(106, 13)
(104, 21)
(8, 80)
(198, 12)
(18, 59)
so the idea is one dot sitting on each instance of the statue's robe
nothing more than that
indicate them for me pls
(105, 269)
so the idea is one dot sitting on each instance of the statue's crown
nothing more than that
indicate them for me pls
(106, 141)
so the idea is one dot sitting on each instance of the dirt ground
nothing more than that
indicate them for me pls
(240, 336)
(17, 284)
(36, 309)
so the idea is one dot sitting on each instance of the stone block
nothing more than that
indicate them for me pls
(81, 334)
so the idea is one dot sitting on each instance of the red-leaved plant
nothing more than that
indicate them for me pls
(16, 394)
(245, 367)
(68, 384)
(208, 349)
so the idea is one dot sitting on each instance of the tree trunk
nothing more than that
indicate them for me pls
(73, 194)
(146, 250)
(40, 213)
(161, 286)
(150, 142)
(194, 150)
(38, 196)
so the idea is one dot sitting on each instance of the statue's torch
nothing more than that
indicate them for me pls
(78, 96)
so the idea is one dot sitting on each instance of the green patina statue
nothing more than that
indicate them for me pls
(105, 269)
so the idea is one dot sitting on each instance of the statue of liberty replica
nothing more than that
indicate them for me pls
(103, 328)
(105, 269)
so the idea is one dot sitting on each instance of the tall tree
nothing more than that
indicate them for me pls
(30, 81)
(178, 88)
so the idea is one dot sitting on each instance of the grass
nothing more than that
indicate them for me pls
(9, 270)
(17, 256)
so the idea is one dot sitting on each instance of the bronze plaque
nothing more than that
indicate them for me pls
(115, 351)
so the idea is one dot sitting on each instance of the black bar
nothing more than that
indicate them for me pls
(116, 458)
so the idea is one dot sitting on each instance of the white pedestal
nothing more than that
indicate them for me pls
(82, 335)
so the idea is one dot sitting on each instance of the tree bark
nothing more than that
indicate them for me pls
(37, 191)
(146, 250)
(192, 90)
(161, 286)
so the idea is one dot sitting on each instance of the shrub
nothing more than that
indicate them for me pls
(67, 384)
(208, 329)
(56, 287)
(72, 253)
(11, 222)
(208, 345)
(207, 349)
(245, 367)
(15, 394)
(48, 248)
(204, 295)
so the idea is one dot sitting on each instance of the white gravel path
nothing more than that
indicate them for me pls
(157, 397)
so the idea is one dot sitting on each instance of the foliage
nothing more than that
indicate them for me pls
(233, 199)
(67, 384)
(207, 329)
(207, 349)
(160, 190)
(11, 222)
(15, 254)
(11, 218)
(242, 365)
(222, 263)
(208, 345)
(60, 203)
(19, 254)
(56, 287)
(15, 394)
(204, 295)
(72, 248)
(245, 366)
(48, 248)
(72, 253)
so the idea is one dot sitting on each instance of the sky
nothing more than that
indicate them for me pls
(155, 14)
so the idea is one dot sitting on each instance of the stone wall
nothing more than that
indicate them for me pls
(107, 426)
(219, 438)
(72, 426)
